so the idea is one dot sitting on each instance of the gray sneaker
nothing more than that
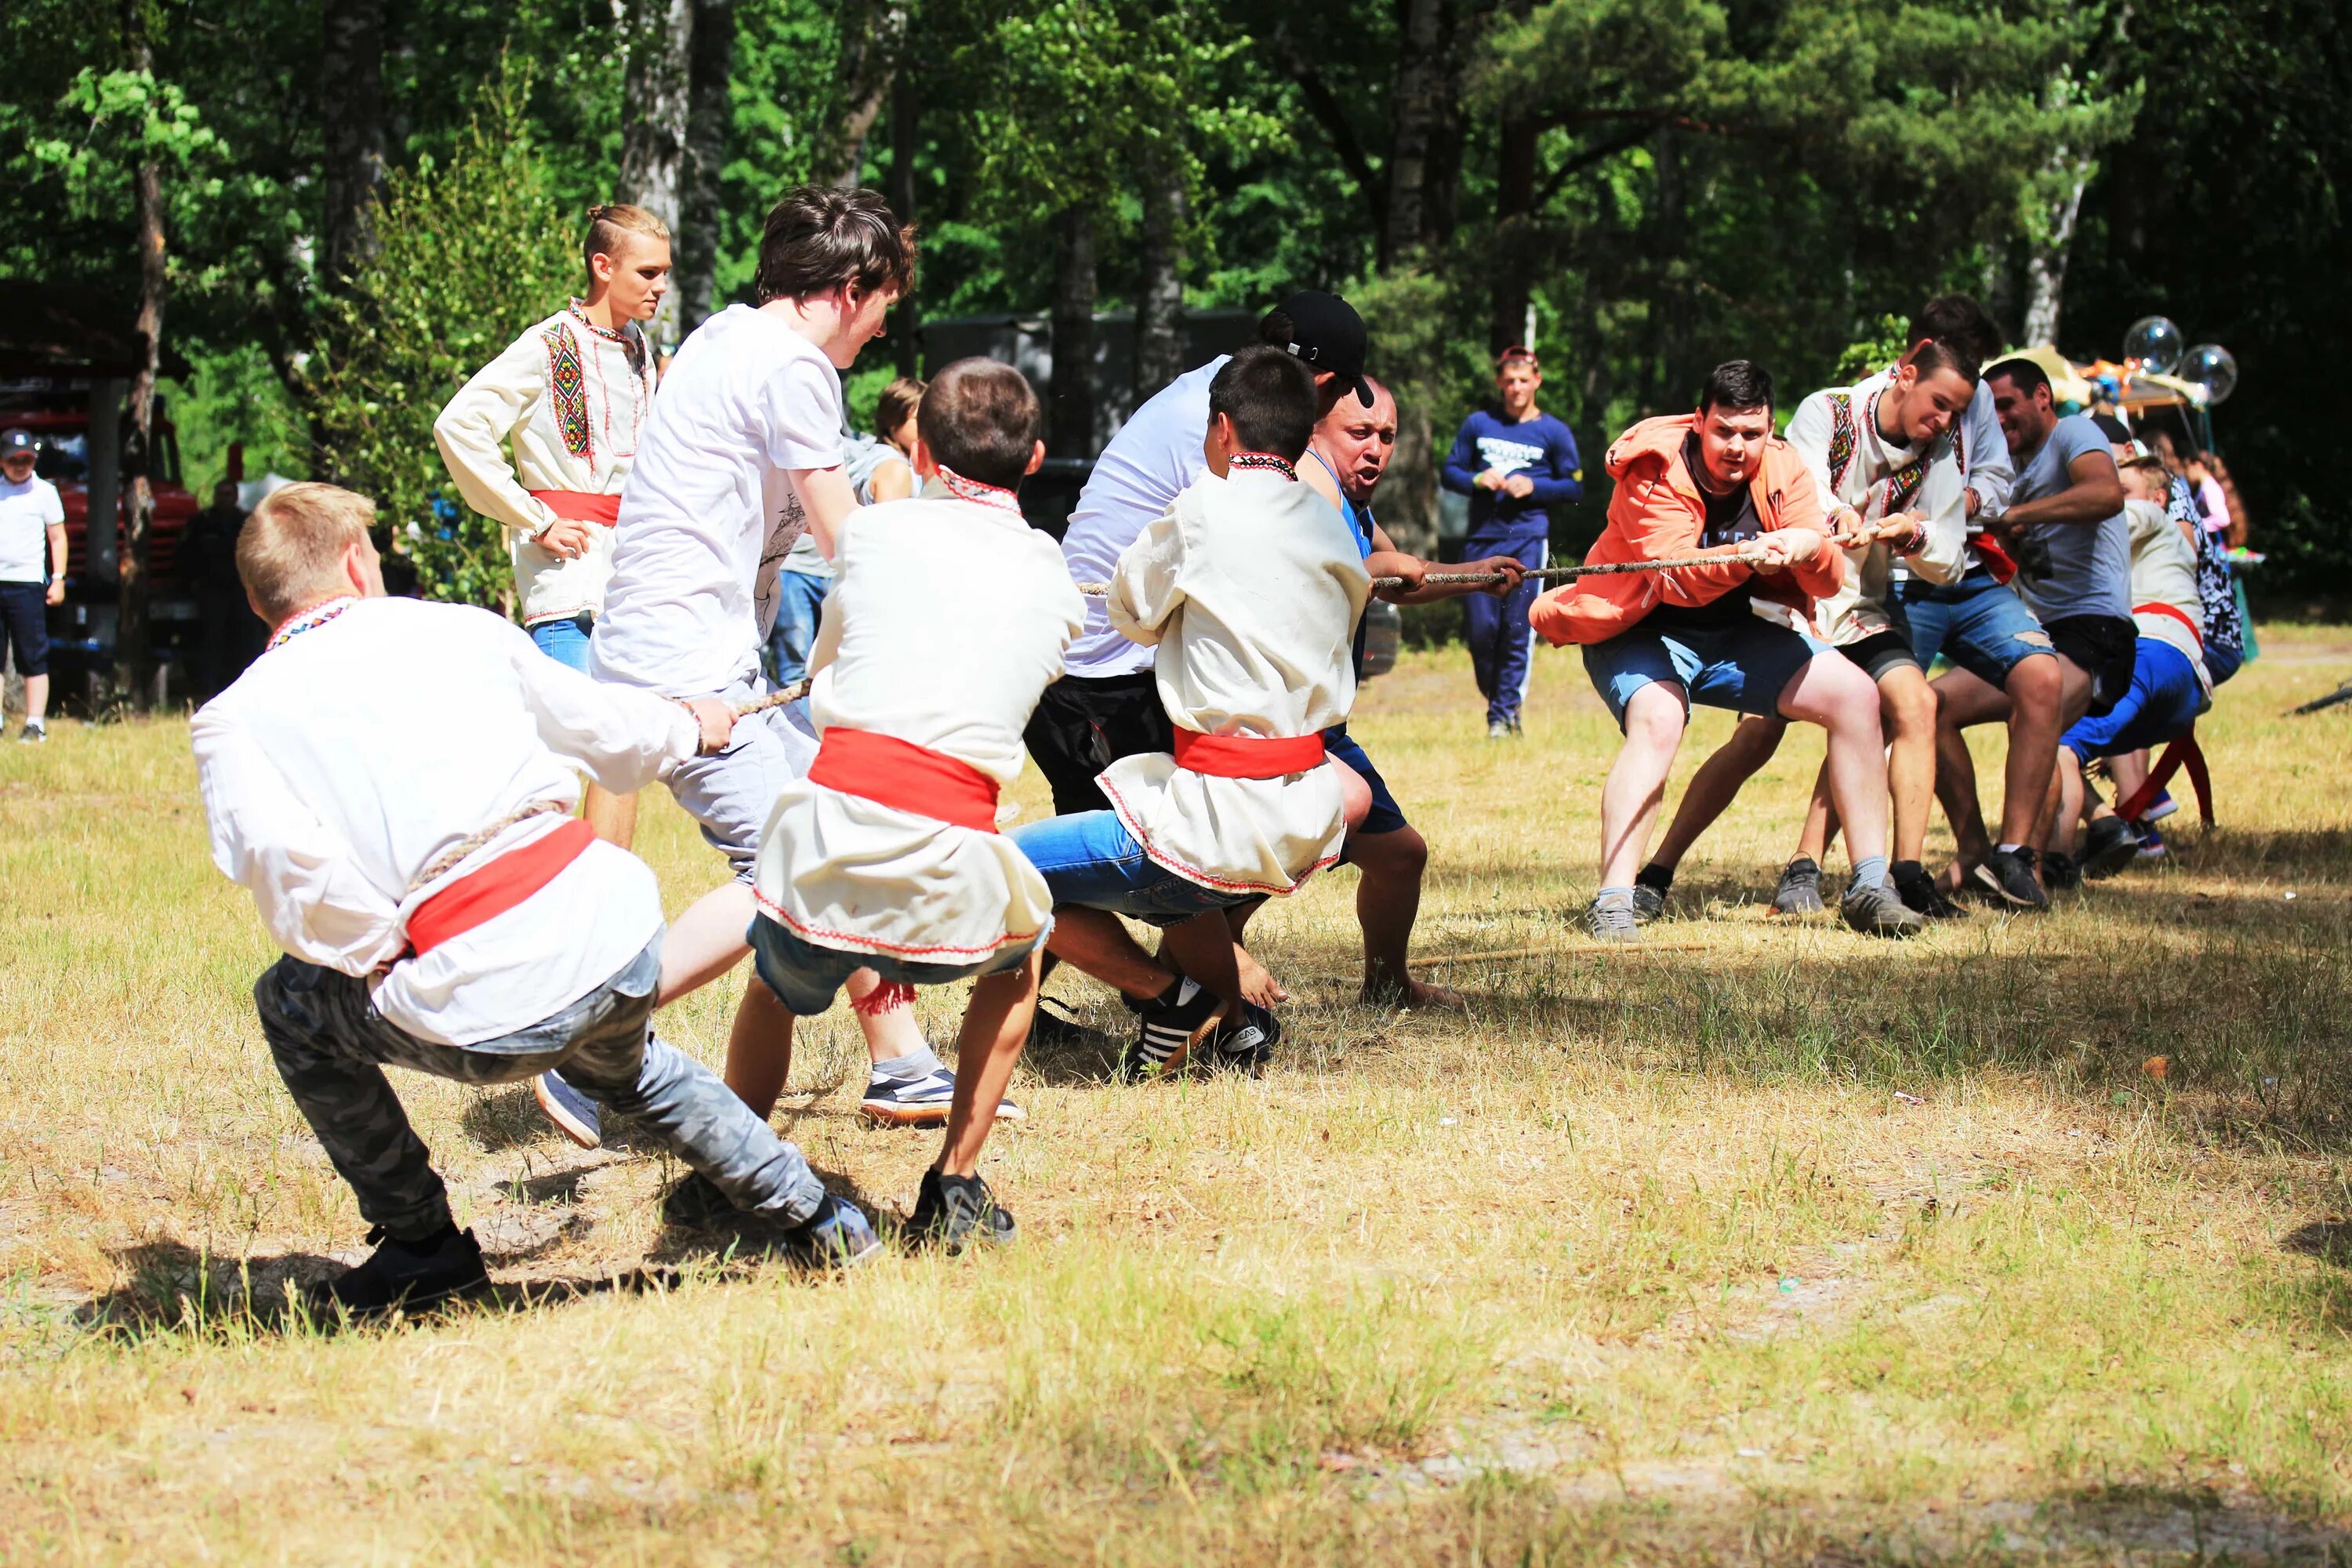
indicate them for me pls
(1800, 892)
(1649, 902)
(1877, 911)
(1612, 922)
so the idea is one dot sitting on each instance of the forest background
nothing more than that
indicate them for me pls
(334, 212)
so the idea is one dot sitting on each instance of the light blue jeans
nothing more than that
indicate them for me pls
(566, 642)
(800, 604)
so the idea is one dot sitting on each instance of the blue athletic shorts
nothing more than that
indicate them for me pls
(805, 977)
(1386, 815)
(1743, 666)
(1976, 623)
(2163, 702)
(1090, 861)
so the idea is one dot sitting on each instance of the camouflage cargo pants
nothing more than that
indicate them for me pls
(331, 1047)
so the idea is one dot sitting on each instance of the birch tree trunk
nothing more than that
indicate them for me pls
(1160, 299)
(2067, 176)
(133, 637)
(656, 100)
(351, 95)
(711, 62)
(1070, 424)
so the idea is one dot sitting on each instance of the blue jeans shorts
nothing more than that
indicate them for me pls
(2163, 702)
(1386, 815)
(806, 976)
(565, 641)
(1976, 623)
(1090, 861)
(1743, 666)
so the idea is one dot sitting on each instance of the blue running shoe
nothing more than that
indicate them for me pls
(838, 1236)
(573, 1113)
(2162, 807)
(920, 1102)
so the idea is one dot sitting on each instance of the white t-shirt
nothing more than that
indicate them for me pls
(26, 511)
(1154, 458)
(708, 513)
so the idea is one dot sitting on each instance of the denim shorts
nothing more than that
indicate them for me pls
(1743, 666)
(1386, 815)
(1977, 624)
(1091, 861)
(2163, 701)
(565, 641)
(805, 977)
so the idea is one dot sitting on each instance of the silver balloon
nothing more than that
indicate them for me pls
(2155, 342)
(2210, 366)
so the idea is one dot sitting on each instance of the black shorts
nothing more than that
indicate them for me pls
(1882, 651)
(2105, 647)
(1085, 723)
(24, 613)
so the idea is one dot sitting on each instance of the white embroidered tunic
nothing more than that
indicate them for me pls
(1250, 586)
(1836, 432)
(570, 398)
(946, 621)
(350, 755)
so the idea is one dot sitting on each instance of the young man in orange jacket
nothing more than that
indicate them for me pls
(1719, 483)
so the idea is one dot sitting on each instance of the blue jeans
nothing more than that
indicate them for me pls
(805, 977)
(1744, 665)
(1089, 859)
(331, 1047)
(565, 641)
(2162, 704)
(1502, 644)
(1977, 624)
(800, 604)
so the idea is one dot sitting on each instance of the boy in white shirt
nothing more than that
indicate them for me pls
(743, 453)
(32, 535)
(947, 617)
(410, 845)
(1251, 585)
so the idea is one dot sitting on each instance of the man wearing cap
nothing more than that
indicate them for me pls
(1514, 466)
(32, 525)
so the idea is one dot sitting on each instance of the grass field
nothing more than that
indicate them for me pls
(1764, 1243)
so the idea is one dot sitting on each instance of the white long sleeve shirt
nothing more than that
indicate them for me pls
(1250, 586)
(945, 623)
(349, 757)
(569, 397)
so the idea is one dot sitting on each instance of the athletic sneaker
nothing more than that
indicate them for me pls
(696, 1204)
(1800, 892)
(33, 734)
(2108, 846)
(1920, 893)
(573, 1113)
(1165, 1031)
(920, 1102)
(837, 1236)
(2006, 876)
(2164, 806)
(2151, 843)
(1496, 730)
(1650, 898)
(1517, 729)
(1876, 911)
(2061, 873)
(956, 1211)
(1245, 1046)
(404, 1276)
(1612, 922)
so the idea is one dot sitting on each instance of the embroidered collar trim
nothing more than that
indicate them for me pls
(578, 309)
(1265, 460)
(995, 496)
(309, 620)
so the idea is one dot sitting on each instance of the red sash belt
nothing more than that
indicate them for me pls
(1247, 756)
(482, 895)
(579, 506)
(905, 777)
(2156, 609)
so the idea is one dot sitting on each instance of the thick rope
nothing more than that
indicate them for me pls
(451, 857)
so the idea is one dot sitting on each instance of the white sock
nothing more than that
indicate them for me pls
(2010, 848)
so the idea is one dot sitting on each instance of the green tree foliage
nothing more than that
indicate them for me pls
(468, 253)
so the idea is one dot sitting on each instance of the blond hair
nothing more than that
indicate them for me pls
(608, 222)
(289, 554)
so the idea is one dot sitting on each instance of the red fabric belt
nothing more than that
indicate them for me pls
(579, 506)
(2156, 609)
(905, 777)
(1994, 559)
(483, 895)
(1247, 756)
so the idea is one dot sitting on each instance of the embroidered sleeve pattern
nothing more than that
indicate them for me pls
(1841, 440)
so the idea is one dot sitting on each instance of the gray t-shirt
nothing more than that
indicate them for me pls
(2070, 568)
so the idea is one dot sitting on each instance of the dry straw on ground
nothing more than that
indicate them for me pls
(1766, 1244)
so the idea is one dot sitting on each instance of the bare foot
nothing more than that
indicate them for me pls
(1257, 985)
(1385, 990)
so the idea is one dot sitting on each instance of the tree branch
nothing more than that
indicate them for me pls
(1332, 118)
(1586, 158)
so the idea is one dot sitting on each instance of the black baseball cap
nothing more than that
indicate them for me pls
(13, 442)
(1326, 332)
(2113, 428)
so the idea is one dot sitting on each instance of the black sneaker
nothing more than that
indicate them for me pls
(2109, 846)
(837, 1236)
(1920, 893)
(1245, 1046)
(2006, 876)
(1165, 1030)
(404, 1276)
(1612, 922)
(1800, 892)
(33, 734)
(1650, 890)
(696, 1204)
(1876, 911)
(2060, 873)
(956, 1212)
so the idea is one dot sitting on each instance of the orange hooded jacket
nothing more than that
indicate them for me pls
(1657, 514)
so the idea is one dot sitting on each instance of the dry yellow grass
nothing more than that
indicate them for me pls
(1779, 1246)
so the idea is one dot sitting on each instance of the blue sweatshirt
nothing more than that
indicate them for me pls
(1542, 448)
